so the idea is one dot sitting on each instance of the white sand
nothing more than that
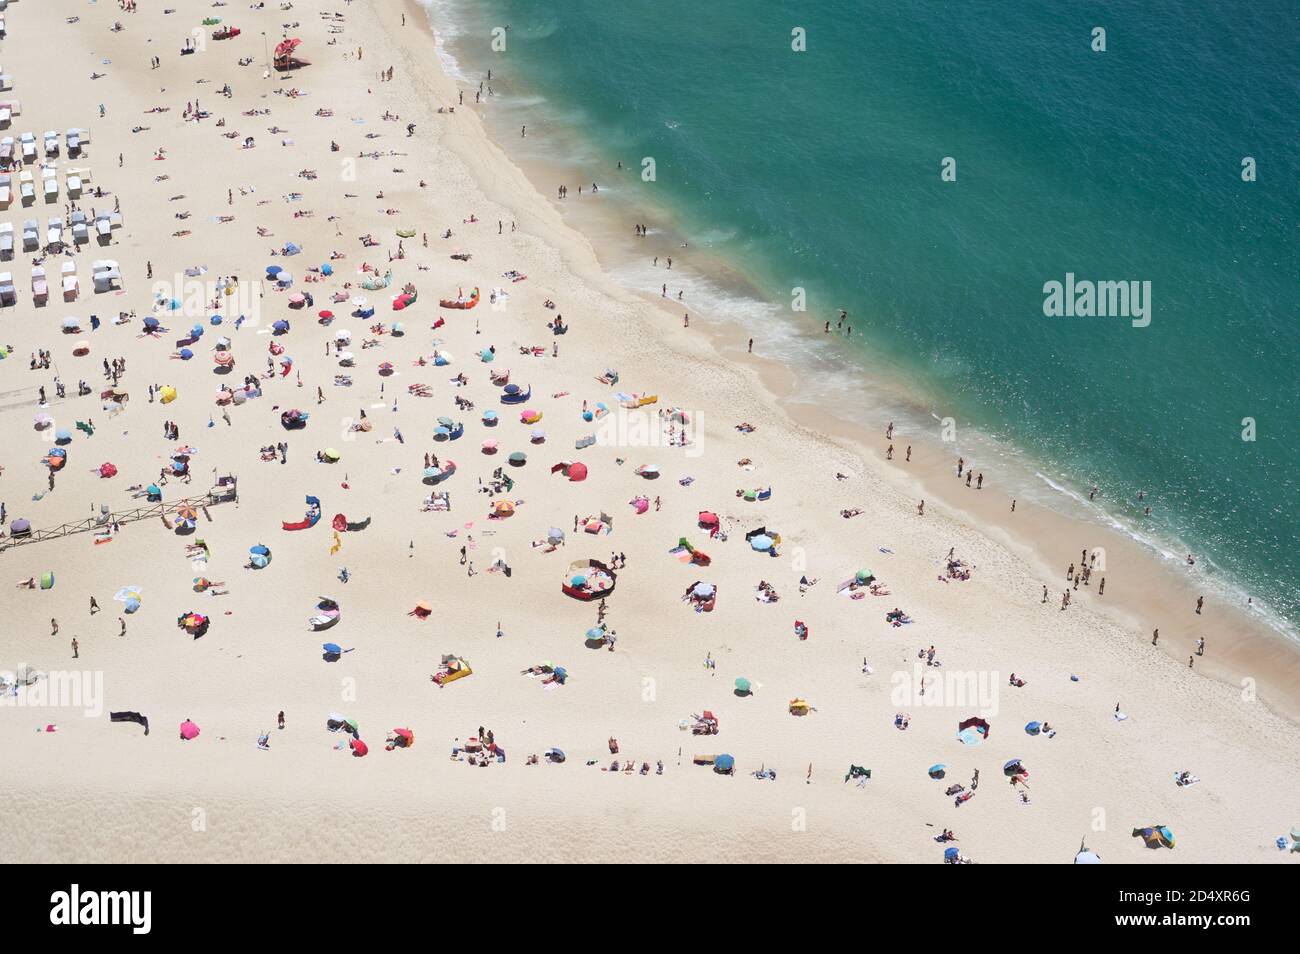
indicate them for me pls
(97, 791)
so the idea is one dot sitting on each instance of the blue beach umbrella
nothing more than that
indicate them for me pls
(186, 354)
(724, 763)
(761, 542)
(273, 270)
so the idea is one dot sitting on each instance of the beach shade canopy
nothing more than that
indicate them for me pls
(167, 394)
(518, 459)
(761, 542)
(62, 436)
(648, 471)
(280, 326)
(273, 270)
(951, 855)
(47, 580)
(555, 535)
(224, 359)
(937, 771)
(1033, 728)
(1012, 767)
(595, 634)
(189, 730)
(327, 269)
(186, 354)
(332, 648)
(865, 576)
(489, 415)
(724, 763)
(326, 314)
(704, 591)
(512, 389)
(359, 748)
(71, 324)
(20, 526)
(743, 686)
(292, 248)
(1087, 858)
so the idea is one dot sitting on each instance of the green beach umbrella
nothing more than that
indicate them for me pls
(743, 686)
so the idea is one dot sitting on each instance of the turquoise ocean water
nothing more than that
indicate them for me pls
(821, 170)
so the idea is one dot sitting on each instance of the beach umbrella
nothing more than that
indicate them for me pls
(326, 314)
(743, 686)
(489, 417)
(331, 455)
(259, 550)
(555, 535)
(327, 269)
(186, 354)
(224, 359)
(167, 394)
(708, 518)
(197, 331)
(71, 324)
(189, 730)
(578, 581)
(1087, 858)
(503, 508)
(385, 367)
(724, 763)
(280, 326)
(151, 323)
(1033, 728)
(406, 734)
(487, 356)
(538, 436)
(865, 575)
(937, 771)
(951, 854)
(1012, 767)
(292, 248)
(704, 591)
(359, 748)
(333, 648)
(431, 472)
(20, 526)
(126, 593)
(47, 580)
(81, 348)
(62, 436)
(441, 433)
(761, 542)
(273, 270)
(518, 459)
(595, 634)
(296, 298)
(511, 389)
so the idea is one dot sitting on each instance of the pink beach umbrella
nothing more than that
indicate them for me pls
(189, 730)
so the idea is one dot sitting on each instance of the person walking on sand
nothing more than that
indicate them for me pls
(1101, 587)
(1044, 592)
(54, 627)
(920, 509)
(94, 606)
(75, 653)
(1200, 646)
(1200, 601)
(1155, 636)
(280, 720)
(122, 623)
(751, 345)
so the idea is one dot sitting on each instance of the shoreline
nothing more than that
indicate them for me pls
(1152, 595)
(87, 787)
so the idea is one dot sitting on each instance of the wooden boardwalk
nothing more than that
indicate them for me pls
(216, 495)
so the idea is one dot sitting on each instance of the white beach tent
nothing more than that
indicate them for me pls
(7, 149)
(31, 235)
(71, 288)
(26, 187)
(6, 241)
(54, 233)
(8, 294)
(51, 144)
(50, 185)
(80, 233)
(40, 287)
(73, 183)
(106, 276)
(6, 191)
(6, 81)
(28, 142)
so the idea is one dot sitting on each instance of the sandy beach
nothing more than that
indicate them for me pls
(223, 186)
